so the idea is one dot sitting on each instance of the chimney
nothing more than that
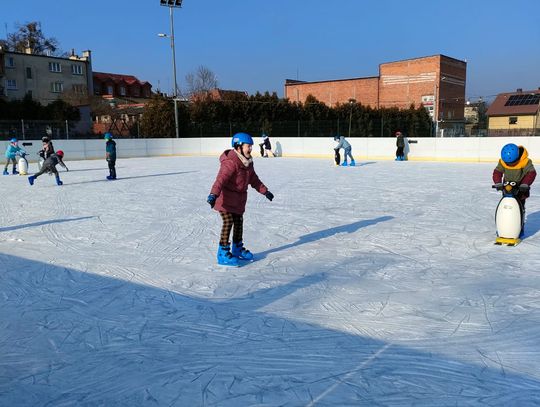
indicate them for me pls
(28, 48)
(87, 54)
(519, 90)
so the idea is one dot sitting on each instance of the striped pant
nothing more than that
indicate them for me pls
(230, 220)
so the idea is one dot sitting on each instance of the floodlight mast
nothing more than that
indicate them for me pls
(173, 4)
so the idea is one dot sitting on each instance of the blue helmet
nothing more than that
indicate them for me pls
(241, 138)
(337, 137)
(107, 136)
(510, 153)
(13, 140)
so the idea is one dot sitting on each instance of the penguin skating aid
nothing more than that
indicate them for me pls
(509, 215)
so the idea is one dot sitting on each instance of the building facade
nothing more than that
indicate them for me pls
(44, 78)
(436, 82)
(515, 114)
(125, 97)
(122, 86)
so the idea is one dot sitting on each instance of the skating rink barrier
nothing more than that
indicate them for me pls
(480, 149)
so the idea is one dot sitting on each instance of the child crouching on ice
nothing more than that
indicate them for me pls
(346, 146)
(229, 195)
(49, 165)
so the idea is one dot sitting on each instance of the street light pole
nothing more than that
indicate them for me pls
(175, 93)
(171, 4)
(351, 102)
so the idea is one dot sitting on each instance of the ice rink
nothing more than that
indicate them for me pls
(375, 285)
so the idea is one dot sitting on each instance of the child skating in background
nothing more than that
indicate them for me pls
(515, 166)
(12, 151)
(266, 147)
(49, 165)
(110, 155)
(229, 195)
(346, 146)
(400, 144)
(47, 149)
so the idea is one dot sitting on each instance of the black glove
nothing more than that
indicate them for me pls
(524, 188)
(498, 186)
(269, 195)
(211, 200)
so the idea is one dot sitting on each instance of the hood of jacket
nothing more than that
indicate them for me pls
(520, 163)
(235, 157)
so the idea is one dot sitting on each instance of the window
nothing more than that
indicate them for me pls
(79, 89)
(512, 120)
(55, 67)
(76, 69)
(57, 87)
(11, 84)
(28, 73)
(109, 90)
(10, 62)
(123, 90)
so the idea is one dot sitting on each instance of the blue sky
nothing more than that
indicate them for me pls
(254, 45)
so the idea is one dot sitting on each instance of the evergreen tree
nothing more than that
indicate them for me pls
(158, 118)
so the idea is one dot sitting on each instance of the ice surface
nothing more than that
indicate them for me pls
(374, 285)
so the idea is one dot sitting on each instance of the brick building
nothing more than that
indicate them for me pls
(124, 86)
(437, 82)
(126, 97)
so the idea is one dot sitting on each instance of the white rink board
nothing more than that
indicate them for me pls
(484, 149)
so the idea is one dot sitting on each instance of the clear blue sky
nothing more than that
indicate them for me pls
(256, 44)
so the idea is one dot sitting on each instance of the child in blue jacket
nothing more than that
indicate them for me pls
(12, 151)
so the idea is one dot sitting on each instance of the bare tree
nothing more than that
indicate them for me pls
(201, 81)
(29, 35)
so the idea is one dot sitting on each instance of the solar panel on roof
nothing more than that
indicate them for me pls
(522, 100)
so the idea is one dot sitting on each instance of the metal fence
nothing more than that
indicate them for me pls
(301, 128)
(36, 129)
(514, 132)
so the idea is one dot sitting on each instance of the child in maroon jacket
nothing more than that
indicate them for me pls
(229, 195)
